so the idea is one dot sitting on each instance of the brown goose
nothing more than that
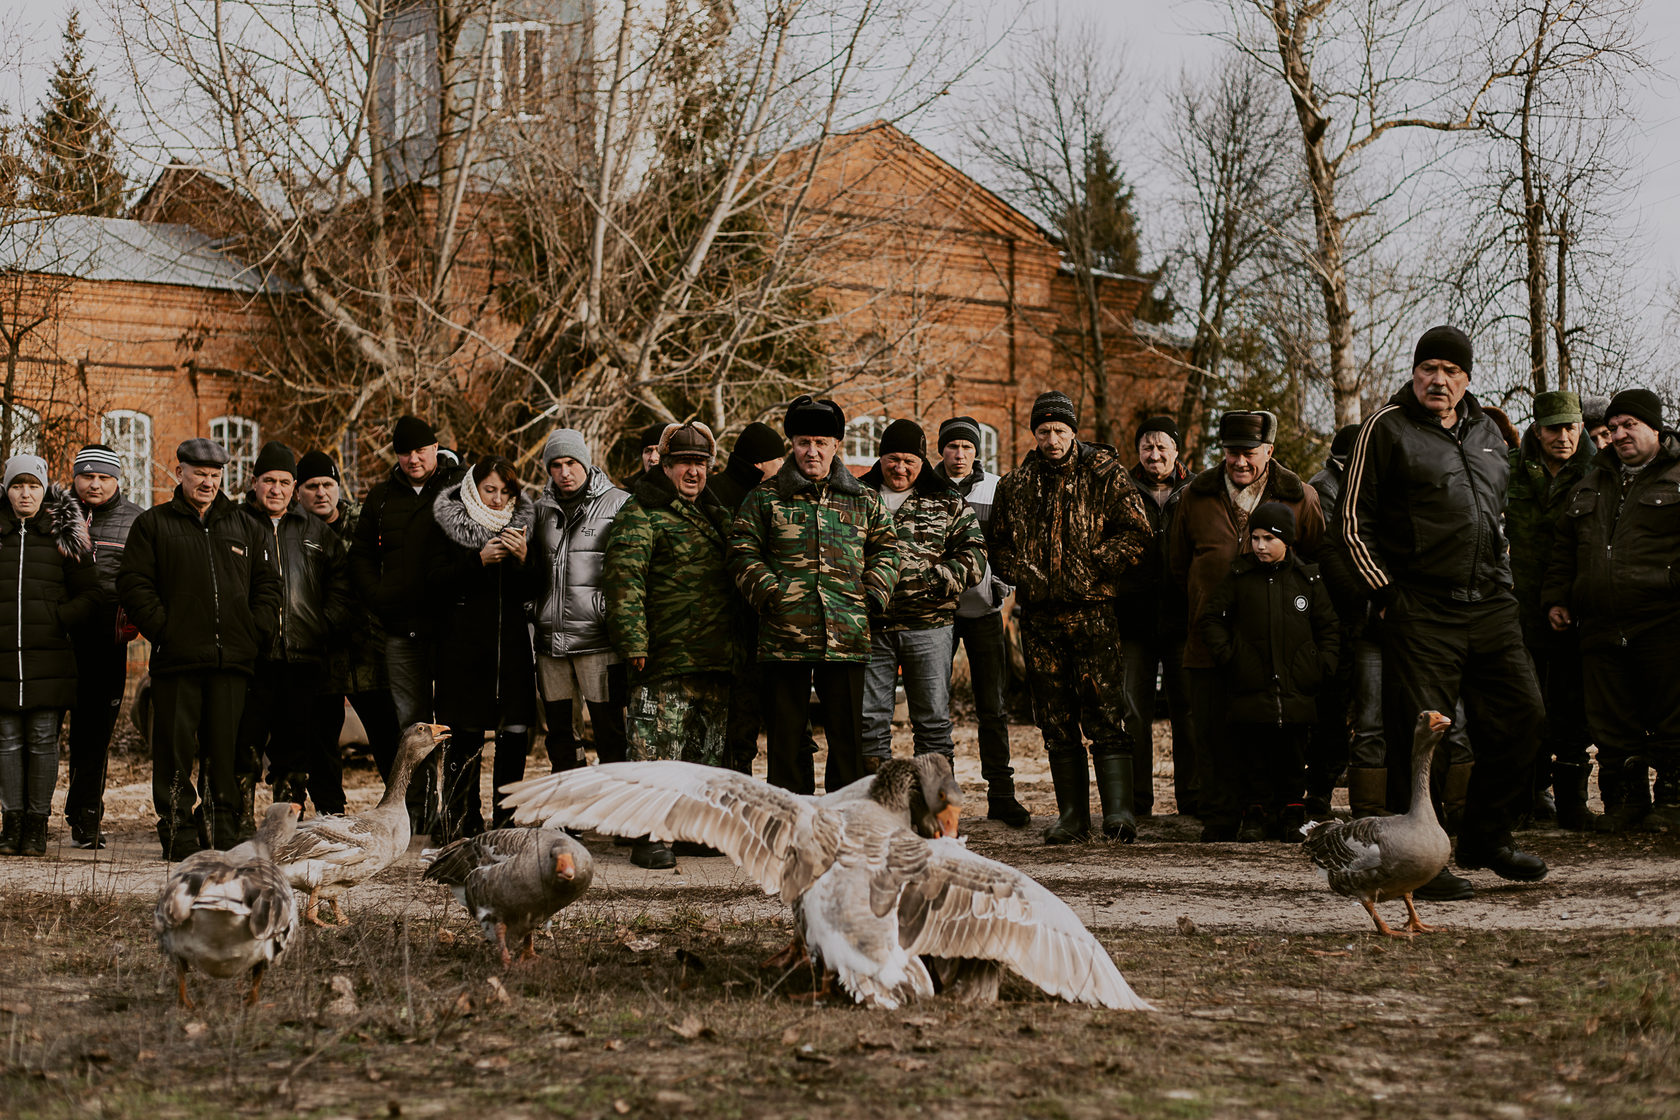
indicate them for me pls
(873, 897)
(229, 912)
(331, 854)
(1374, 859)
(512, 880)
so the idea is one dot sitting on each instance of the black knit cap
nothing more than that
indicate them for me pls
(1641, 404)
(1446, 343)
(410, 434)
(1342, 445)
(1166, 425)
(903, 437)
(1277, 519)
(274, 456)
(960, 427)
(759, 443)
(1243, 430)
(317, 464)
(808, 416)
(1050, 407)
(652, 434)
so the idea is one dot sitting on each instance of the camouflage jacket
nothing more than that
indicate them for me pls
(942, 553)
(813, 558)
(1534, 501)
(1064, 535)
(666, 579)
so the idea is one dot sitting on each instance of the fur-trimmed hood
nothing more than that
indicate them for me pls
(452, 517)
(790, 482)
(61, 516)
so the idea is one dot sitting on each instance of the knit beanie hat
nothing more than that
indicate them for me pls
(410, 434)
(1277, 519)
(960, 427)
(1593, 410)
(1051, 407)
(317, 464)
(652, 434)
(274, 456)
(25, 464)
(759, 443)
(96, 458)
(692, 440)
(808, 416)
(903, 437)
(1446, 343)
(1342, 446)
(566, 443)
(1641, 404)
(1166, 425)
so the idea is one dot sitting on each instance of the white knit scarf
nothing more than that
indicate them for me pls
(494, 520)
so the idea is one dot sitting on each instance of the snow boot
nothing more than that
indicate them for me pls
(34, 839)
(11, 833)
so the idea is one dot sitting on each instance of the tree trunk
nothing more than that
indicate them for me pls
(1534, 217)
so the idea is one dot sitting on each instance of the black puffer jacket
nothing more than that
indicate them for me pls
(388, 558)
(109, 526)
(1422, 505)
(48, 584)
(1616, 552)
(1272, 629)
(200, 590)
(314, 571)
(356, 656)
(731, 485)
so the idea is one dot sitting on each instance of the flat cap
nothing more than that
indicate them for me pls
(1557, 407)
(201, 452)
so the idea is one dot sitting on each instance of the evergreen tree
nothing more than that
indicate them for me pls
(1112, 222)
(74, 147)
(12, 165)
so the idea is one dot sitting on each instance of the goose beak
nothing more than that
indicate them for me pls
(439, 732)
(296, 808)
(563, 865)
(1438, 722)
(947, 818)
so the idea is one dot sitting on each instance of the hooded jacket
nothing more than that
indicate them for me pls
(1273, 631)
(979, 490)
(942, 553)
(387, 559)
(200, 588)
(1534, 500)
(571, 552)
(48, 585)
(314, 571)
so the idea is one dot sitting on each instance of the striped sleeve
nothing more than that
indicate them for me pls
(1358, 513)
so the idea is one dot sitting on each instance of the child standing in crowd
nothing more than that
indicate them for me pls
(1271, 628)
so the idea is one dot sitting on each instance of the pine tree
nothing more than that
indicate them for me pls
(74, 147)
(1113, 223)
(12, 165)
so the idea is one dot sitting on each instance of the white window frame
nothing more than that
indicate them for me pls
(498, 74)
(26, 431)
(864, 434)
(987, 453)
(409, 85)
(134, 448)
(241, 437)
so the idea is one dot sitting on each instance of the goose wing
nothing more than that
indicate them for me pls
(779, 838)
(343, 842)
(452, 863)
(1346, 852)
(967, 906)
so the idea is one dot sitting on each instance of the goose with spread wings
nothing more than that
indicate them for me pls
(872, 897)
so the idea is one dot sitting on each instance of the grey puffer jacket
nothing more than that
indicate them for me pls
(571, 613)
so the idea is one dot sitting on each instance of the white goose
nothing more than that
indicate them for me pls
(872, 896)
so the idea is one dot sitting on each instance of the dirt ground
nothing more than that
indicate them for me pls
(1274, 998)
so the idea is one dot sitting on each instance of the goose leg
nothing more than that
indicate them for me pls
(183, 999)
(790, 957)
(256, 984)
(825, 990)
(312, 908)
(529, 952)
(501, 944)
(1382, 926)
(339, 917)
(1413, 922)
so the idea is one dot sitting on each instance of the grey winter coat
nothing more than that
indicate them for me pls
(571, 613)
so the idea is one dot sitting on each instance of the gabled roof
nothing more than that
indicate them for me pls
(89, 248)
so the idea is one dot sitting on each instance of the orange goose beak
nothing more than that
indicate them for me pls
(947, 818)
(1438, 722)
(563, 865)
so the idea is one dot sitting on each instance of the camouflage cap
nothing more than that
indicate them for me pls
(1557, 407)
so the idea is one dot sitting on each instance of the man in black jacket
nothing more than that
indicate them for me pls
(1421, 522)
(101, 645)
(195, 581)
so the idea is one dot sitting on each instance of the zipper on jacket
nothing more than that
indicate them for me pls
(23, 535)
(285, 591)
(215, 588)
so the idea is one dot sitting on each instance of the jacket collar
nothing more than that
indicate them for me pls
(1281, 482)
(60, 517)
(653, 490)
(1178, 478)
(220, 506)
(967, 482)
(1668, 456)
(593, 487)
(790, 482)
(930, 483)
(1469, 409)
(1528, 454)
(452, 517)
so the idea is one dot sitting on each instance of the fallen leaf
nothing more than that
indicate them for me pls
(498, 993)
(494, 1061)
(615, 1044)
(1186, 926)
(690, 1028)
(463, 1004)
(145, 1056)
(344, 992)
(790, 1036)
(670, 1098)
(195, 1028)
(921, 1021)
(621, 1106)
(564, 1042)
(446, 937)
(807, 1053)
(1330, 952)
(910, 1065)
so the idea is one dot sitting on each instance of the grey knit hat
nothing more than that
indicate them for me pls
(566, 443)
(25, 464)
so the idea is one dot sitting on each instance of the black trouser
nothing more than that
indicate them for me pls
(195, 716)
(988, 669)
(1441, 650)
(606, 721)
(1218, 797)
(1272, 762)
(746, 719)
(1633, 708)
(101, 674)
(787, 695)
(378, 713)
(1327, 755)
(1557, 668)
(463, 811)
(279, 722)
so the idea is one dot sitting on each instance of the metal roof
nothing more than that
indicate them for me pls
(90, 248)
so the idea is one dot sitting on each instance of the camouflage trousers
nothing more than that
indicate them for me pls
(684, 718)
(1075, 674)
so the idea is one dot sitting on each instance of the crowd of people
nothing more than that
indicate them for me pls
(1296, 626)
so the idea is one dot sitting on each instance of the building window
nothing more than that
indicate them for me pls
(863, 439)
(23, 431)
(129, 434)
(409, 81)
(986, 455)
(520, 52)
(239, 436)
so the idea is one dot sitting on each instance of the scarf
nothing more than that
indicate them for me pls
(494, 520)
(1246, 500)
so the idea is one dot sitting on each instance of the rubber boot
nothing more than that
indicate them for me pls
(1252, 830)
(652, 855)
(11, 833)
(1627, 799)
(507, 767)
(248, 803)
(1455, 790)
(34, 839)
(1072, 779)
(1665, 809)
(1569, 780)
(1115, 778)
(1368, 791)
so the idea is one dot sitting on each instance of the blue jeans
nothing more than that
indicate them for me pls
(925, 656)
(29, 759)
(988, 668)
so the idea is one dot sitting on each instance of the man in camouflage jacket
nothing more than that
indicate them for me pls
(942, 555)
(812, 550)
(1067, 524)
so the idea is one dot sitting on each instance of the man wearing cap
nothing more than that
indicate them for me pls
(1422, 523)
(101, 644)
(813, 551)
(941, 554)
(355, 660)
(575, 657)
(1615, 577)
(1067, 526)
(1208, 531)
(278, 722)
(194, 579)
(1545, 467)
(979, 623)
(670, 606)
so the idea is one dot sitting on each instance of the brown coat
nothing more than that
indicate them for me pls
(1202, 540)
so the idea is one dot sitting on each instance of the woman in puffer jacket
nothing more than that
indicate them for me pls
(48, 585)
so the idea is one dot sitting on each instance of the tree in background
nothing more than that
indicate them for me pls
(72, 165)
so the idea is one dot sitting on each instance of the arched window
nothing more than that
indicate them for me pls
(129, 434)
(863, 437)
(23, 431)
(986, 455)
(239, 435)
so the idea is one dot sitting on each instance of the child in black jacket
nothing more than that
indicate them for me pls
(1271, 627)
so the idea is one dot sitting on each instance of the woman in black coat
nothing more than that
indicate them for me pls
(477, 578)
(48, 585)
